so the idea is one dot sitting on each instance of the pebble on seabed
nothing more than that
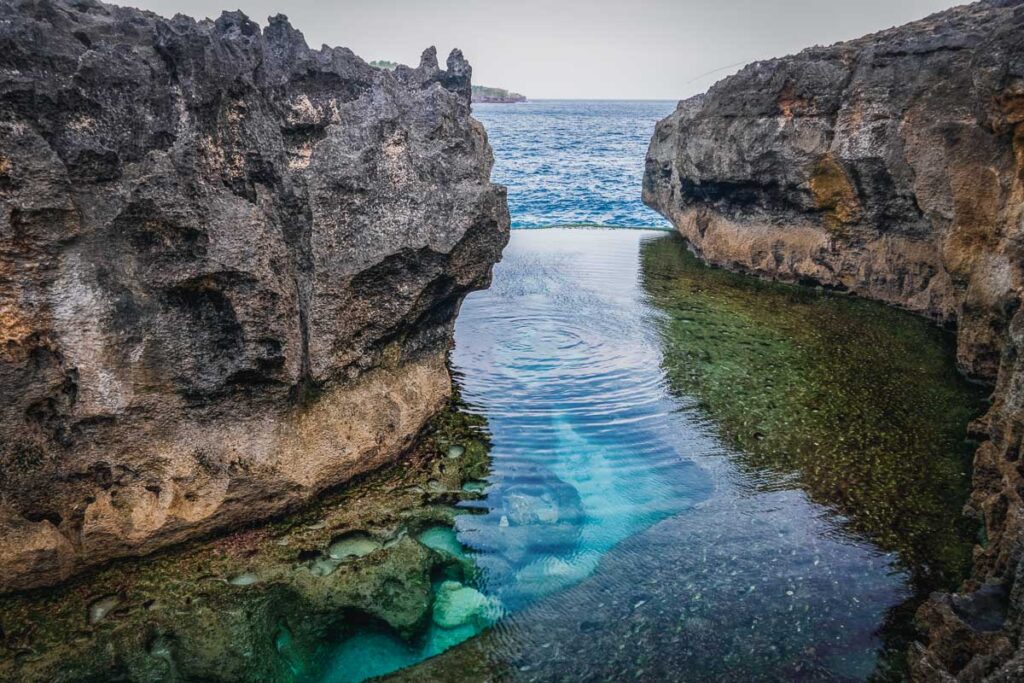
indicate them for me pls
(102, 607)
(245, 579)
(456, 451)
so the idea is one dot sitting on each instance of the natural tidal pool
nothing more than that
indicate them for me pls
(653, 470)
(699, 476)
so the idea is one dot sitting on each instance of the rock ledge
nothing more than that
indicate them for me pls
(229, 270)
(891, 166)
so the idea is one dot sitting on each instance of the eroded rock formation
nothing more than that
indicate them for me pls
(270, 602)
(891, 166)
(229, 268)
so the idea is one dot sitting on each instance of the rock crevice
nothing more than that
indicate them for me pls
(229, 269)
(891, 166)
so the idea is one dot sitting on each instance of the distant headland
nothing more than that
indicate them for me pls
(481, 93)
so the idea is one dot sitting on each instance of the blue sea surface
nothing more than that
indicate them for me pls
(573, 162)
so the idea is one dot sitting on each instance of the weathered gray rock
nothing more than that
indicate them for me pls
(229, 268)
(891, 166)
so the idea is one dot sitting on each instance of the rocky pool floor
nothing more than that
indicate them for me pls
(657, 471)
(768, 477)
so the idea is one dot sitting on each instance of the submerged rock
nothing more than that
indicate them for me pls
(229, 268)
(101, 607)
(474, 486)
(284, 643)
(457, 605)
(443, 539)
(527, 508)
(543, 517)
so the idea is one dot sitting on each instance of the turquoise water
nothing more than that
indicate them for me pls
(573, 162)
(560, 357)
(587, 449)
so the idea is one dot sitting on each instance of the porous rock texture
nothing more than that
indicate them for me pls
(229, 271)
(891, 166)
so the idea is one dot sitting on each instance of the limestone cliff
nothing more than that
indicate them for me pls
(229, 269)
(891, 166)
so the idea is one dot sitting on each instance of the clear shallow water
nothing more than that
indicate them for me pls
(573, 162)
(631, 526)
(559, 356)
(587, 448)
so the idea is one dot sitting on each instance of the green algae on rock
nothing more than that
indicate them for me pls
(266, 603)
(891, 165)
(861, 404)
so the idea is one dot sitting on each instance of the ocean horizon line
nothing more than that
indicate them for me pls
(601, 226)
(529, 99)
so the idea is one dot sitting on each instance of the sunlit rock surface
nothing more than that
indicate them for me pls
(890, 166)
(229, 266)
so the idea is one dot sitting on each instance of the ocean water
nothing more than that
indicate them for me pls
(573, 162)
(693, 474)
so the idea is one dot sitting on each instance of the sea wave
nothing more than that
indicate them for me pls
(573, 163)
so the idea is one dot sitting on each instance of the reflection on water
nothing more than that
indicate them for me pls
(699, 476)
(560, 358)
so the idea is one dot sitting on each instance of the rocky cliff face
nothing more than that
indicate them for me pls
(229, 269)
(893, 167)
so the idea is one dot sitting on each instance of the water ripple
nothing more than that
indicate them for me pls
(558, 356)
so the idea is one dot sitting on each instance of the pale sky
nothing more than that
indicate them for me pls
(615, 49)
